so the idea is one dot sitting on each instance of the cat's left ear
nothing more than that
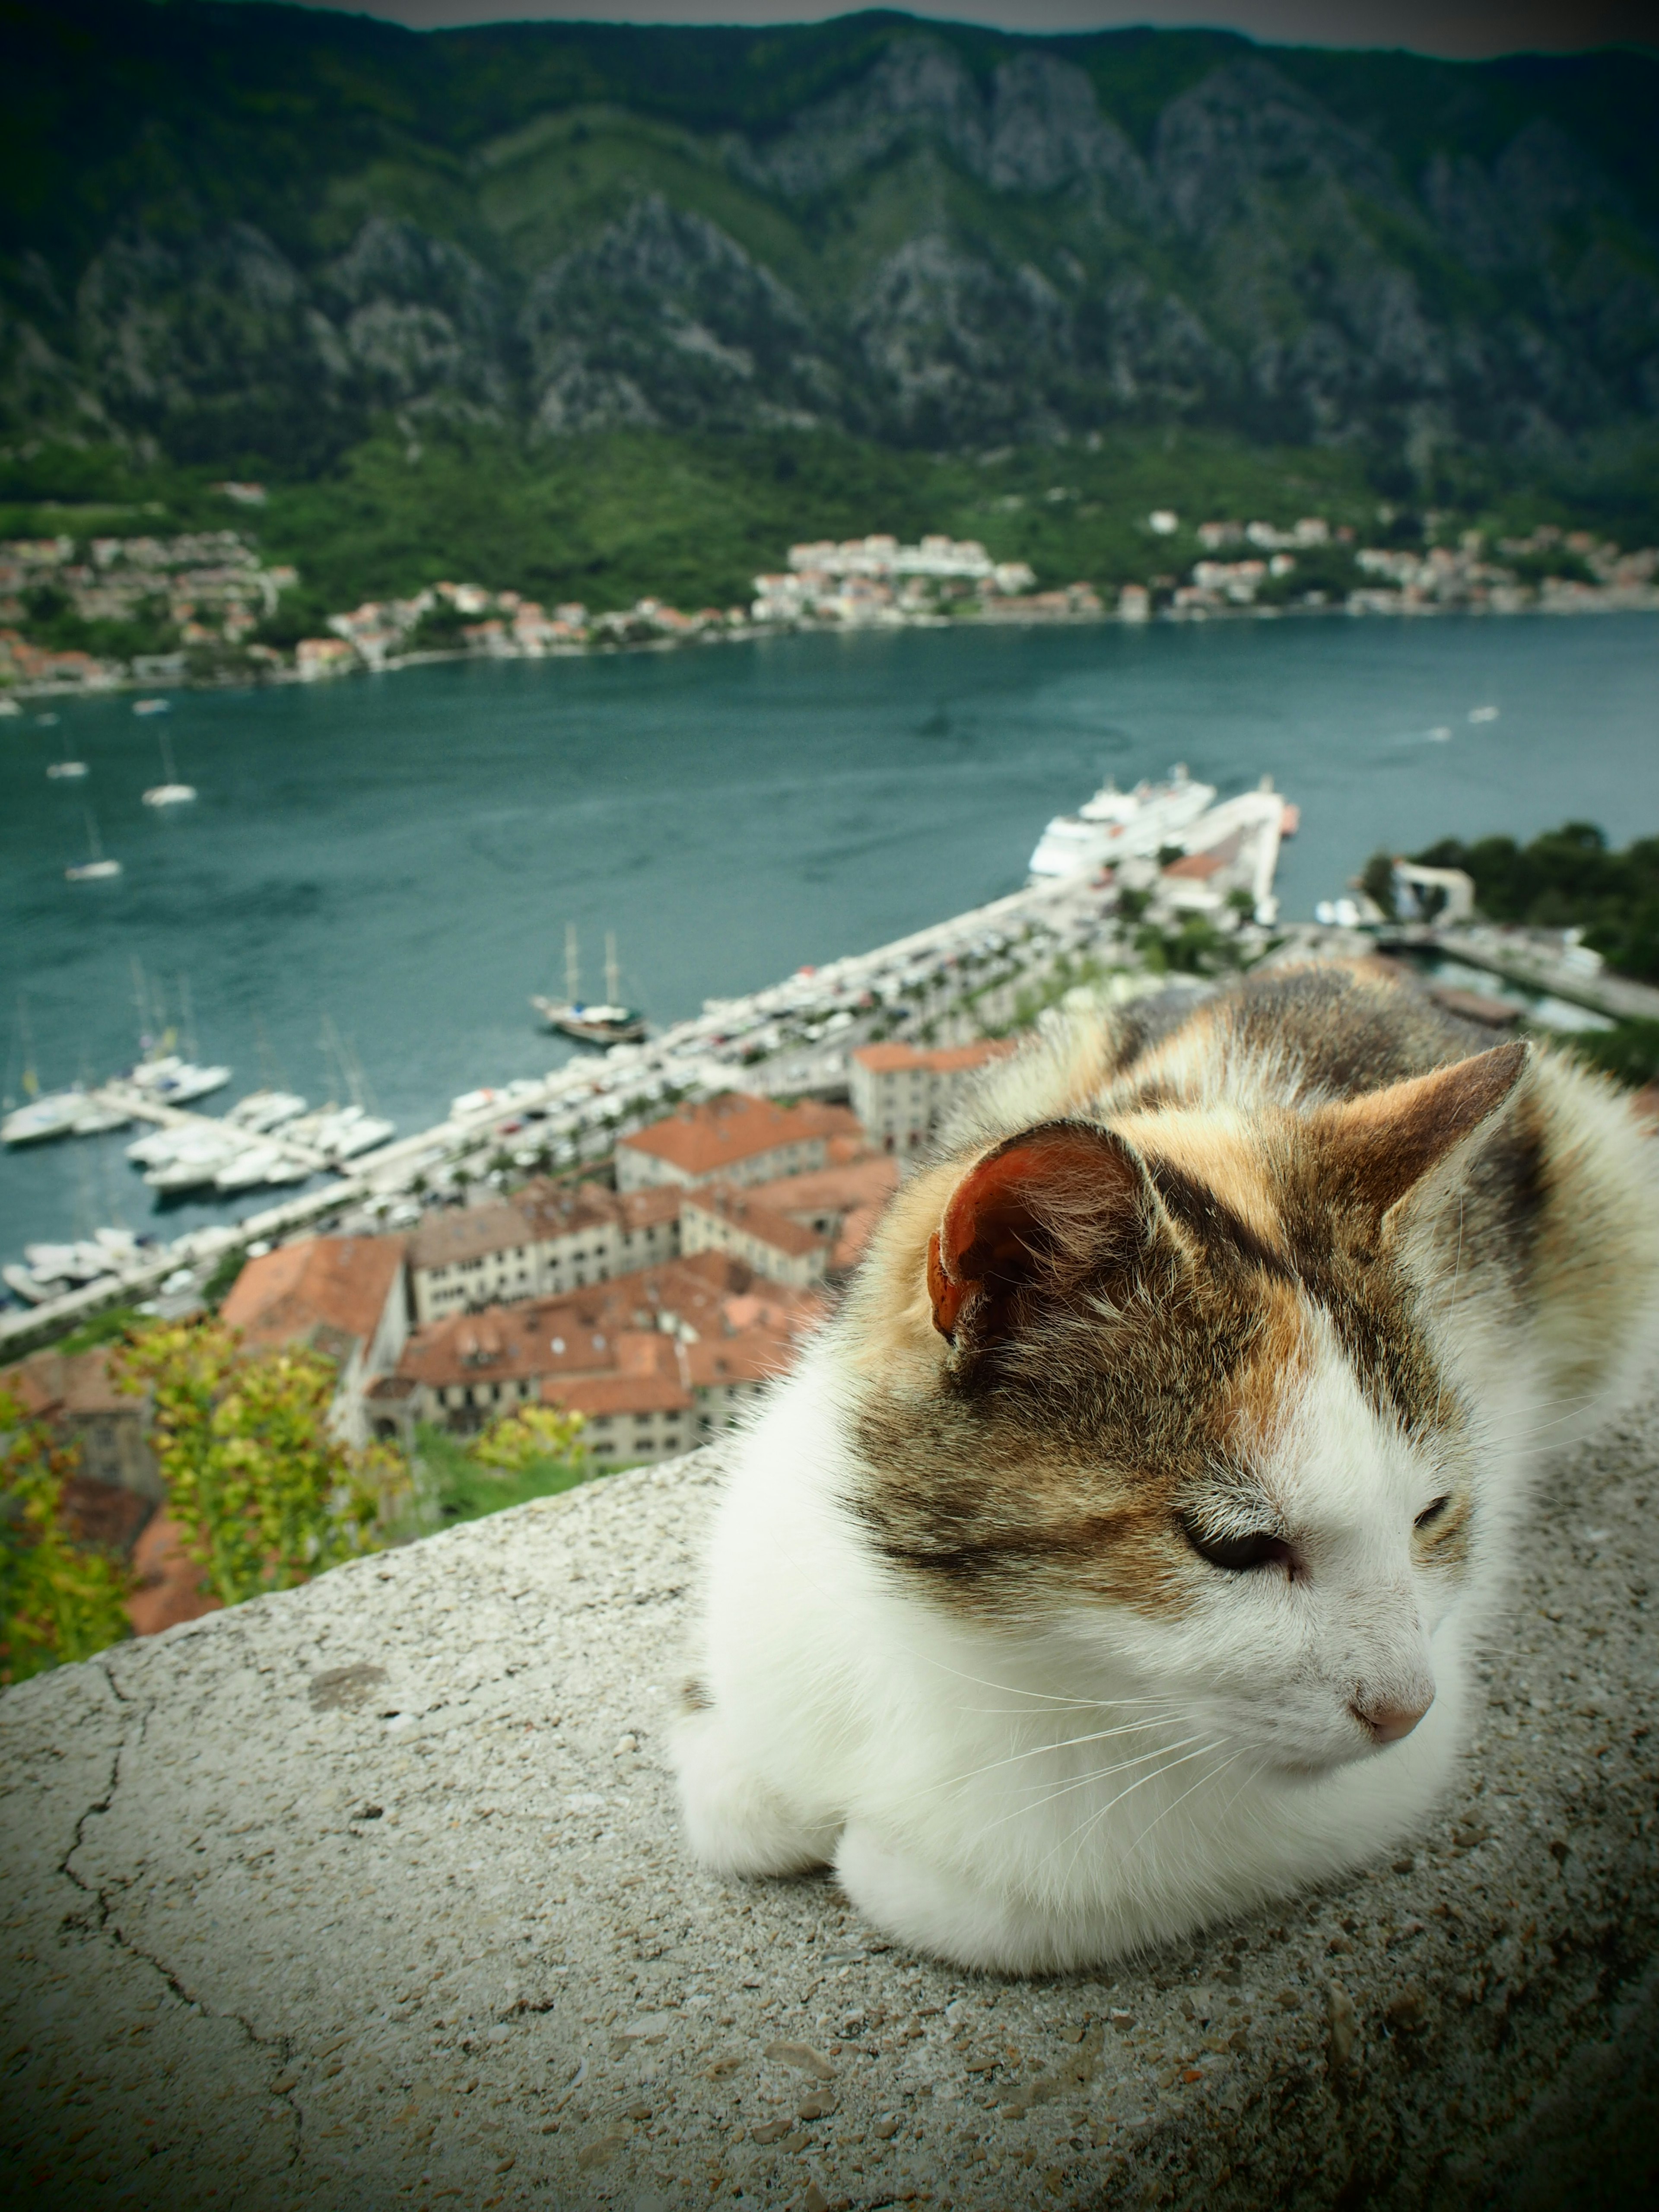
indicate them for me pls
(1380, 1147)
(1051, 1209)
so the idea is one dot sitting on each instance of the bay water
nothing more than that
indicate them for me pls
(388, 864)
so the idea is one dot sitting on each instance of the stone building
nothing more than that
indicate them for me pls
(716, 1218)
(734, 1139)
(904, 1096)
(345, 1296)
(707, 1325)
(549, 1239)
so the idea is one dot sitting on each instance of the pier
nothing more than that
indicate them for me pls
(793, 1035)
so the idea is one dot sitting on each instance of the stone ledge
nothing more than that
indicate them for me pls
(372, 1893)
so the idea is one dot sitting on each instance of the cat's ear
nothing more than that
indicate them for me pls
(1380, 1147)
(1047, 1210)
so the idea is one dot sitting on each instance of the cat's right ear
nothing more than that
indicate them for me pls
(1051, 1209)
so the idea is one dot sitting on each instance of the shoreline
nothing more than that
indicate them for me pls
(1592, 601)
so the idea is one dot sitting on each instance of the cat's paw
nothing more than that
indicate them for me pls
(940, 1911)
(736, 1823)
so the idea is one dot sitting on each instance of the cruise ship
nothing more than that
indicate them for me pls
(1117, 825)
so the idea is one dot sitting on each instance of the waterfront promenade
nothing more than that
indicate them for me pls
(792, 1037)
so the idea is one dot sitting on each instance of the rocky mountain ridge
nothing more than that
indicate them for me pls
(961, 244)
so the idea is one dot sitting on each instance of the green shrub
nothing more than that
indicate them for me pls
(58, 1601)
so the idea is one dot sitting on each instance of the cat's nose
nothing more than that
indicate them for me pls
(1385, 1723)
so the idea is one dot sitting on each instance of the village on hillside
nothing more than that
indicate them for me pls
(200, 598)
(656, 1304)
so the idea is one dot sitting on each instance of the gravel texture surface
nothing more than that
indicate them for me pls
(372, 1894)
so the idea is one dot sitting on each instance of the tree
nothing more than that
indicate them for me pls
(266, 1497)
(1377, 881)
(534, 1435)
(58, 1601)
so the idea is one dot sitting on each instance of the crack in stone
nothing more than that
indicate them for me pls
(105, 1926)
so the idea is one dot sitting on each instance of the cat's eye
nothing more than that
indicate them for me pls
(1430, 1514)
(1238, 1554)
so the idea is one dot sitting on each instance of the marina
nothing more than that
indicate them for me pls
(397, 860)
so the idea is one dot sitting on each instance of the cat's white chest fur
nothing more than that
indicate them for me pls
(1010, 1801)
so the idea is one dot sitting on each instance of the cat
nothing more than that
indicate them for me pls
(1115, 1559)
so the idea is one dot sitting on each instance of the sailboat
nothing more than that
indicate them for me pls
(171, 792)
(94, 869)
(612, 1022)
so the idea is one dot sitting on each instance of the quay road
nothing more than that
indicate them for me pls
(787, 1036)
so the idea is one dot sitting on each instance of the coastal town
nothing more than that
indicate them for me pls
(642, 1241)
(202, 599)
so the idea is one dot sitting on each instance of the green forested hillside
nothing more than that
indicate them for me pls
(552, 303)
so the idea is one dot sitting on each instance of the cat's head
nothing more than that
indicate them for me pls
(1171, 1389)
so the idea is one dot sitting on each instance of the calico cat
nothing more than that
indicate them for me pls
(1115, 1559)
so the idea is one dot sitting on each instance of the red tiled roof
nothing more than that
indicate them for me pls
(553, 1209)
(753, 1355)
(468, 1232)
(1196, 867)
(339, 1283)
(870, 1181)
(942, 1059)
(713, 1292)
(650, 1209)
(51, 1384)
(719, 1201)
(650, 1378)
(701, 1139)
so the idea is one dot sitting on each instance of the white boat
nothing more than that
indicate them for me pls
(261, 1110)
(260, 1164)
(61, 771)
(97, 1118)
(352, 1131)
(169, 792)
(192, 1166)
(54, 1115)
(97, 868)
(158, 1144)
(47, 1271)
(81, 1262)
(151, 706)
(1119, 825)
(178, 1081)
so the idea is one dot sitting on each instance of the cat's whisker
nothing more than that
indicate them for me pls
(1123, 1766)
(1043, 1697)
(1202, 1783)
(1067, 1743)
(1576, 1406)
(1157, 1774)
(1094, 1774)
(1083, 1780)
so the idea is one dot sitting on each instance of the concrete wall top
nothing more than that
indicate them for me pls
(372, 1894)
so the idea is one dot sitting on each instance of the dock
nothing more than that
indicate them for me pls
(594, 1098)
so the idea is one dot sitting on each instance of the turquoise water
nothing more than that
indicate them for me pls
(398, 856)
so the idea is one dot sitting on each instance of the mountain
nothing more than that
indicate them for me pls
(244, 235)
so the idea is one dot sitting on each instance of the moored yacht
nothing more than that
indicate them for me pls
(55, 1115)
(608, 1022)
